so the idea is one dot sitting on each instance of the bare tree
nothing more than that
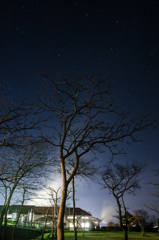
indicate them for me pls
(23, 168)
(84, 117)
(141, 216)
(111, 224)
(87, 171)
(17, 118)
(22, 203)
(155, 206)
(46, 216)
(53, 197)
(121, 179)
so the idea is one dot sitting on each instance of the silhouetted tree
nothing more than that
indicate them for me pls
(87, 171)
(53, 198)
(141, 216)
(84, 117)
(24, 168)
(22, 203)
(17, 119)
(18, 145)
(155, 206)
(121, 179)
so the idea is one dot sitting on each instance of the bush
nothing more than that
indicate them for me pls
(11, 222)
(21, 233)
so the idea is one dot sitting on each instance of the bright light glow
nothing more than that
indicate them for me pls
(85, 217)
(71, 217)
(44, 199)
(85, 225)
(71, 225)
(107, 212)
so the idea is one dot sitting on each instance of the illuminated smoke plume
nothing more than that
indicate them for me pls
(108, 213)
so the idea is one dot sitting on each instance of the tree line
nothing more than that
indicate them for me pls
(54, 133)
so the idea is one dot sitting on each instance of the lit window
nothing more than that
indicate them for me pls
(71, 217)
(85, 225)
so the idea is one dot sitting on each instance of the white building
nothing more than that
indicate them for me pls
(35, 215)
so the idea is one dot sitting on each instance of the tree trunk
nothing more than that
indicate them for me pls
(60, 224)
(143, 231)
(4, 213)
(119, 208)
(1, 221)
(142, 228)
(125, 228)
(19, 214)
(54, 227)
(42, 236)
(74, 225)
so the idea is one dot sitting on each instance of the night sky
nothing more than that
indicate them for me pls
(116, 38)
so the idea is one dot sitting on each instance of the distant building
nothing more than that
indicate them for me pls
(83, 219)
(35, 216)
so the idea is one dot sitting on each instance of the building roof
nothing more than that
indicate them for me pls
(42, 219)
(16, 208)
(28, 208)
(78, 211)
(43, 209)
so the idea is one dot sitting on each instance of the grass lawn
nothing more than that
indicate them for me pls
(107, 236)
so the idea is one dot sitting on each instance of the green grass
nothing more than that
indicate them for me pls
(108, 236)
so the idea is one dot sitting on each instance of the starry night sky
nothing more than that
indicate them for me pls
(119, 38)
